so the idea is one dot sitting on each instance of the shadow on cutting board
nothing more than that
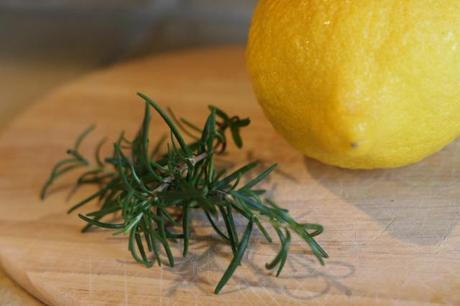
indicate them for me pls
(296, 282)
(418, 203)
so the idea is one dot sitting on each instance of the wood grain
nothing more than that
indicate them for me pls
(392, 235)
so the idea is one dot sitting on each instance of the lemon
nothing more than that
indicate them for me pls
(359, 84)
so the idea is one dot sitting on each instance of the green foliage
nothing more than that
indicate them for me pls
(146, 188)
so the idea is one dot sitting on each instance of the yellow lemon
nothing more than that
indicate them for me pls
(359, 84)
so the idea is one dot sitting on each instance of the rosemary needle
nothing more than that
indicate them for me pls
(144, 188)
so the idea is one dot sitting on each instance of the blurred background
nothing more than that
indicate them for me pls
(44, 43)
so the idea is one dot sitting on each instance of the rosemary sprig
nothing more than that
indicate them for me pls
(145, 188)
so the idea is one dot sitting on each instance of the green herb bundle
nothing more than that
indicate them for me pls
(154, 193)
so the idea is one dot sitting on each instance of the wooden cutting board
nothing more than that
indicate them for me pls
(392, 235)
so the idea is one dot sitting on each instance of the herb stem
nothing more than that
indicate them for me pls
(143, 188)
